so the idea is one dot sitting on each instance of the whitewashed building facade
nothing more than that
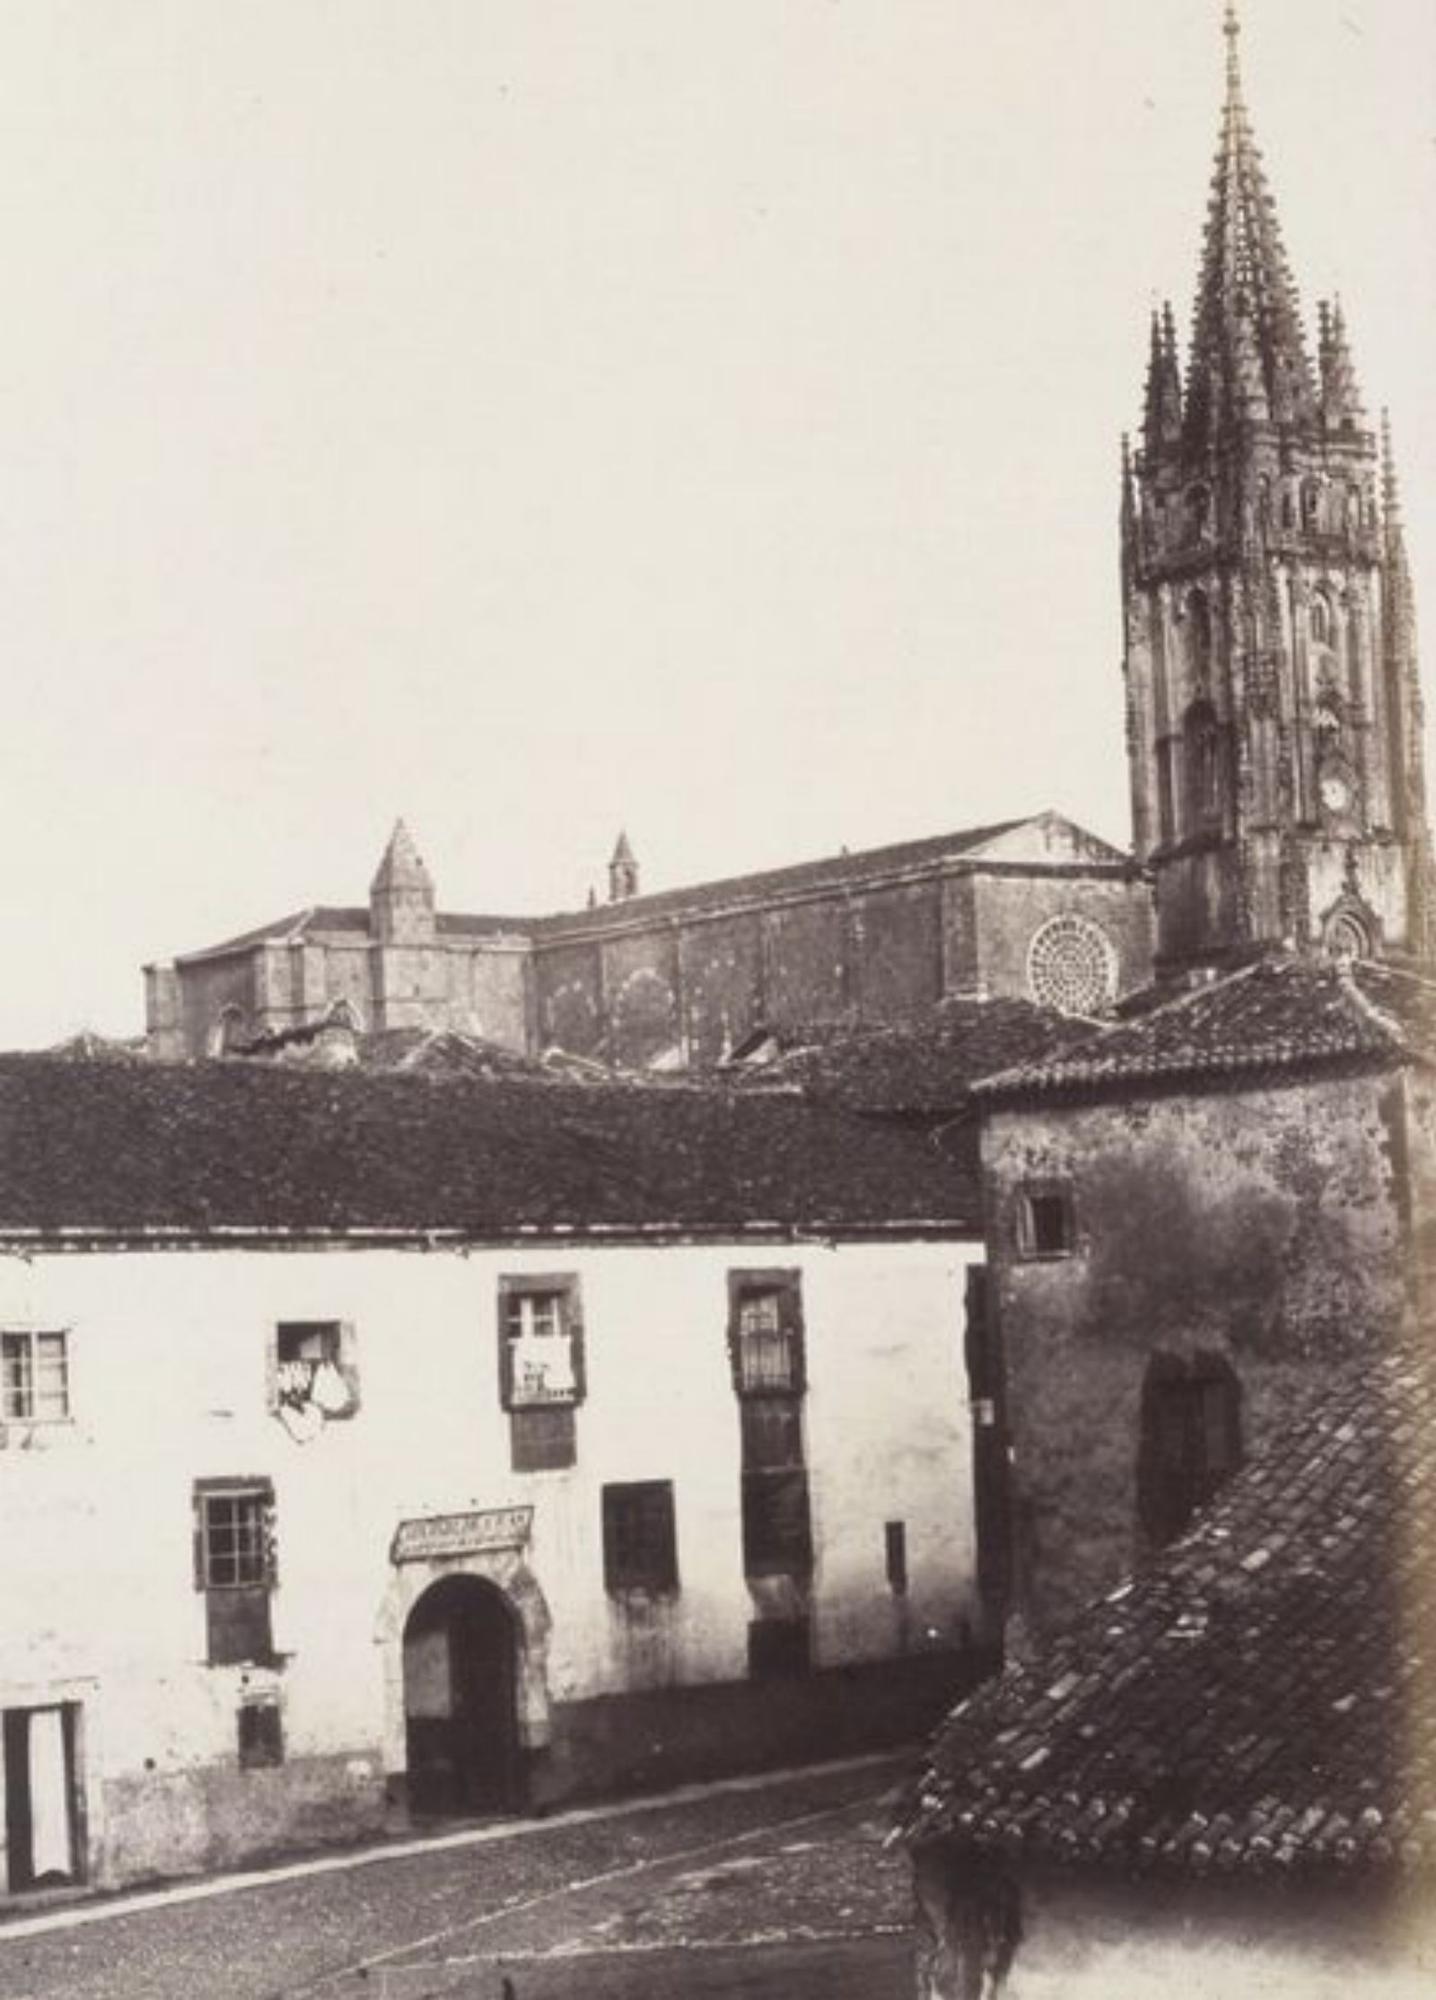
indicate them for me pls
(373, 1444)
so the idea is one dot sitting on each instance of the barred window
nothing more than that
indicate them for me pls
(766, 1332)
(34, 1377)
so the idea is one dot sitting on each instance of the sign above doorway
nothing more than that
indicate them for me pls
(434, 1536)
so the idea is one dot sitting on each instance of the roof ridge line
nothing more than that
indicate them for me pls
(1104, 1029)
(1367, 1007)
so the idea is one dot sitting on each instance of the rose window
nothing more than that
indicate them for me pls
(1071, 966)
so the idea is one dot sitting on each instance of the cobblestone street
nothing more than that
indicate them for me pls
(775, 1888)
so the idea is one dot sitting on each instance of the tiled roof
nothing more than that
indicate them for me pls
(834, 871)
(1261, 1698)
(247, 1145)
(919, 1068)
(1281, 1013)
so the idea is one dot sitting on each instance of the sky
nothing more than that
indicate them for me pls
(540, 417)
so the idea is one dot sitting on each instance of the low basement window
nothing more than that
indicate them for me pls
(261, 1735)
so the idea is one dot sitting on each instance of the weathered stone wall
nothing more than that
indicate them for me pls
(1010, 909)
(669, 987)
(1264, 1224)
(696, 987)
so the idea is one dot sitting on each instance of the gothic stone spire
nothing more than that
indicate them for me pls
(1162, 424)
(1249, 355)
(1274, 732)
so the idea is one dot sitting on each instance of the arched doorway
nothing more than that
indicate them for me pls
(460, 1699)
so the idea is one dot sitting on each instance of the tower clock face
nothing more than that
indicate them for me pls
(1335, 792)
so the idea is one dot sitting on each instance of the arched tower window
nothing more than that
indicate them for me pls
(1311, 503)
(1346, 938)
(1199, 629)
(1202, 754)
(1319, 618)
(230, 1032)
(1199, 507)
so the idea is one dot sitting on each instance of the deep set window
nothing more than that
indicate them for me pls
(777, 1524)
(315, 1371)
(34, 1377)
(235, 1567)
(768, 1340)
(1046, 1221)
(1191, 1441)
(765, 1332)
(895, 1551)
(261, 1735)
(541, 1369)
(640, 1540)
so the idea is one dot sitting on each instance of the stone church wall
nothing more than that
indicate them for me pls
(1009, 910)
(898, 933)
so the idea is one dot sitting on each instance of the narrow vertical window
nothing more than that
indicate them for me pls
(1191, 1440)
(1046, 1221)
(895, 1543)
(766, 1350)
(235, 1567)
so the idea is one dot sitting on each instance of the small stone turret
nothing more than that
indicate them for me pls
(401, 896)
(622, 872)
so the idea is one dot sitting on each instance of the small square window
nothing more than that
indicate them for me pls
(640, 1543)
(34, 1377)
(1046, 1226)
(261, 1735)
(316, 1373)
(543, 1440)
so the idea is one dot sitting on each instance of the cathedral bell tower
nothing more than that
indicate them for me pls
(1273, 711)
